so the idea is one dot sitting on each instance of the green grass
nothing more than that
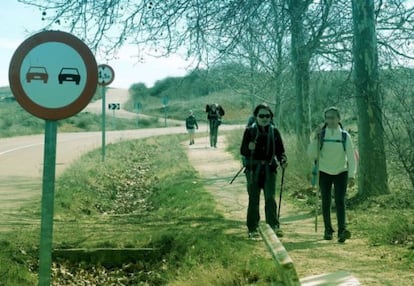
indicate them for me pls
(146, 194)
(15, 121)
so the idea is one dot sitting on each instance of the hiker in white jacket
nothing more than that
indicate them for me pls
(333, 152)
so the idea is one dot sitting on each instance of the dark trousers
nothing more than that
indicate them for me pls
(261, 178)
(339, 182)
(214, 124)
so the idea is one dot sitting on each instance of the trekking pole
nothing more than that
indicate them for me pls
(207, 131)
(280, 195)
(316, 183)
(237, 174)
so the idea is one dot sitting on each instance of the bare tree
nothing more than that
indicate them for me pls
(308, 22)
(320, 34)
(208, 29)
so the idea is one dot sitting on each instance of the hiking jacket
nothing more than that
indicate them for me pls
(333, 159)
(266, 146)
(213, 115)
(191, 122)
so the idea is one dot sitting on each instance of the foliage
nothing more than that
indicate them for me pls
(198, 83)
(398, 121)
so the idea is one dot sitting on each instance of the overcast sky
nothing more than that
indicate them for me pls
(18, 20)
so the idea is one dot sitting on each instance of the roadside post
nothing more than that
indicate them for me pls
(52, 75)
(113, 107)
(106, 76)
(137, 109)
(165, 106)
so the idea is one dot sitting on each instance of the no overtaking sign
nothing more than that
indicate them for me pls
(53, 75)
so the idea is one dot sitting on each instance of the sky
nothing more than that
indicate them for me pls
(18, 22)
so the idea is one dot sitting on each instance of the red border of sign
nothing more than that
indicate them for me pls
(41, 111)
(113, 75)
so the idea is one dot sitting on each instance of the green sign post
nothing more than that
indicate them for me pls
(48, 193)
(103, 95)
(53, 75)
(106, 76)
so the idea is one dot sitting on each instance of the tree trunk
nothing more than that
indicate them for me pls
(372, 178)
(300, 61)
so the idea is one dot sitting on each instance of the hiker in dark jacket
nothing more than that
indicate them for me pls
(262, 146)
(333, 150)
(191, 125)
(214, 114)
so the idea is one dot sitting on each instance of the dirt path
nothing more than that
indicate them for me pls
(310, 253)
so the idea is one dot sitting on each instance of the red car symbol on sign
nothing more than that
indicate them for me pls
(37, 73)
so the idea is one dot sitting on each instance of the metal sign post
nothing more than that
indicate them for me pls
(113, 107)
(48, 192)
(106, 76)
(53, 75)
(103, 91)
(165, 106)
(137, 109)
(113, 119)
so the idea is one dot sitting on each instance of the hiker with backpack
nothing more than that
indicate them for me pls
(214, 114)
(332, 151)
(191, 125)
(263, 149)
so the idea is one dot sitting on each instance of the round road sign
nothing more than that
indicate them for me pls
(53, 75)
(106, 75)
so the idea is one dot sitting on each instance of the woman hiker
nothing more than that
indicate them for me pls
(333, 151)
(262, 147)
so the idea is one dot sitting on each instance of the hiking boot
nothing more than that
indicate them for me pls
(344, 235)
(327, 235)
(278, 232)
(254, 235)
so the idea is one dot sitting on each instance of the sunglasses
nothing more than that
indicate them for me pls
(263, 115)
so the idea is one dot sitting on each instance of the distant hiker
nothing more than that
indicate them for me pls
(262, 146)
(214, 114)
(191, 125)
(333, 150)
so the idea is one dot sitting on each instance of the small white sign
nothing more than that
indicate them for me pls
(106, 75)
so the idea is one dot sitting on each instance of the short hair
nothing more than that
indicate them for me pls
(332, 108)
(262, 106)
